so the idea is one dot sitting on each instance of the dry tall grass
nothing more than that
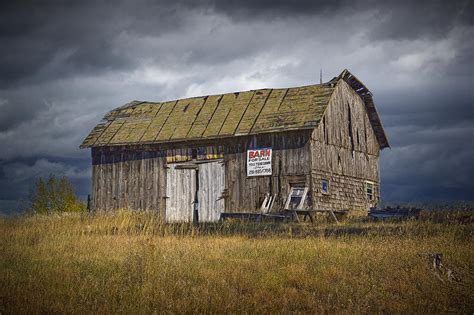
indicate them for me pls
(130, 263)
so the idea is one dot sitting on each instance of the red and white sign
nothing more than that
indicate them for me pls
(259, 162)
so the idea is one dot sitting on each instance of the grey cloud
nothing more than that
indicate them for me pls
(80, 36)
(60, 39)
(35, 35)
(277, 9)
(394, 20)
(425, 171)
(16, 109)
(424, 112)
(19, 172)
(419, 19)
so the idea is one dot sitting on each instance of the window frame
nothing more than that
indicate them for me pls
(369, 185)
(327, 192)
(303, 197)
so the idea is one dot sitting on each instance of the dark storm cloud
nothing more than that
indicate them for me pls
(17, 107)
(59, 38)
(393, 19)
(419, 109)
(247, 9)
(36, 36)
(79, 36)
(66, 63)
(415, 19)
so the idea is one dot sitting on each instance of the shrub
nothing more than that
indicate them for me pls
(55, 195)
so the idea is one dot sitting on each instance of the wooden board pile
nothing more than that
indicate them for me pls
(397, 212)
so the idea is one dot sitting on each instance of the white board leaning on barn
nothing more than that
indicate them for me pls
(259, 162)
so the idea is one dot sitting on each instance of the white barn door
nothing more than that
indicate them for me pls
(211, 186)
(181, 191)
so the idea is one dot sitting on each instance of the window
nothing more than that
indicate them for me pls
(369, 190)
(296, 198)
(325, 186)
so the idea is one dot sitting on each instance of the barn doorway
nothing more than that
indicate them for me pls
(180, 193)
(194, 191)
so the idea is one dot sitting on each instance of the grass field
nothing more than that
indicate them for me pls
(130, 263)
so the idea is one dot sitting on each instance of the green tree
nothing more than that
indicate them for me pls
(55, 195)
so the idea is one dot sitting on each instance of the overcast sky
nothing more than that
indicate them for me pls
(64, 64)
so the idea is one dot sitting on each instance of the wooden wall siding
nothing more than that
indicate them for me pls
(124, 179)
(343, 161)
(346, 109)
(366, 96)
(345, 151)
(290, 164)
(345, 192)
(211, 191)
(180, 194)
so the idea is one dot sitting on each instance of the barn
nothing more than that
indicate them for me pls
(193, 159)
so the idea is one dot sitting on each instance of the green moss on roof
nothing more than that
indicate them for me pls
(224, 115)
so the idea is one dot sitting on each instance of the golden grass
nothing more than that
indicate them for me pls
(130, 263)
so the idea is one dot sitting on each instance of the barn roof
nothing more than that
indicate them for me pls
(224, 115)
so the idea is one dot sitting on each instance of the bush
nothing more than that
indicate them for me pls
(55, 195)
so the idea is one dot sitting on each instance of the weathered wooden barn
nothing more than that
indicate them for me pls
(194, 158)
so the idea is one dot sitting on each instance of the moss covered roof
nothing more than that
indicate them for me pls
(213, 116)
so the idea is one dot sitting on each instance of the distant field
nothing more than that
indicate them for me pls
(129, 263)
